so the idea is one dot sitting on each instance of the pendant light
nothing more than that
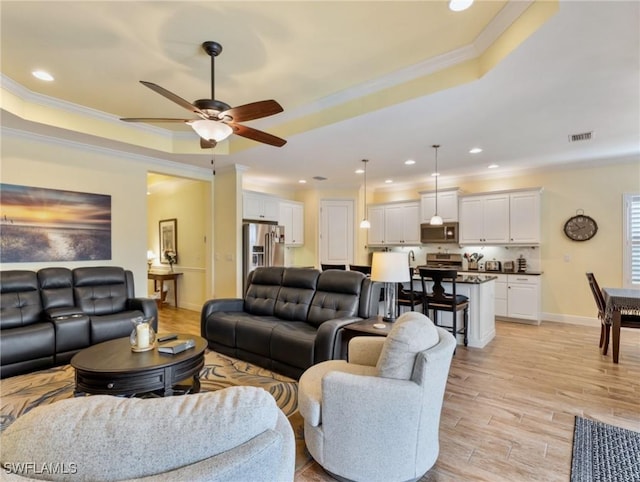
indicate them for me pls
(365, 224)
(435, 219)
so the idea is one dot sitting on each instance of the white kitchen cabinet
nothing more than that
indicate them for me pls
(260, 207)
(501, 295)
(484, 219)
(447, 206)
(517, 297)
(376, 218)
(524, 217)
(292, 218)
(402, 223)
(394, 224)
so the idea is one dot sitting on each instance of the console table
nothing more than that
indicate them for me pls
(163, 276)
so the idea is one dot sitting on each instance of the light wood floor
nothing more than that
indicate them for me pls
(509, 408)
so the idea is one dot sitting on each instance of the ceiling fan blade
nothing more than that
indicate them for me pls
(153, 119)
(256, 135)
(255, 110)
(174, 98)
(205, 144)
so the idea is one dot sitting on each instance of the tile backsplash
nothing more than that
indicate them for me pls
(498, 253)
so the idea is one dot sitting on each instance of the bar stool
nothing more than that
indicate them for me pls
(325, 267)
(438, 300)
(409, 298)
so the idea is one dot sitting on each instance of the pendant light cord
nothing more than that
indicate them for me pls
(436, 146)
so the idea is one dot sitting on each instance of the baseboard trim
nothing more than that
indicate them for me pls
(571, 319)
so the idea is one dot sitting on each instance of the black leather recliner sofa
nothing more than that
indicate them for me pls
(48, 316)
(290, 318)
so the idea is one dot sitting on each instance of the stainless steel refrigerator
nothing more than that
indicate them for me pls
(263, 245)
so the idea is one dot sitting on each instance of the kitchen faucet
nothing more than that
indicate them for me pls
(412, 256)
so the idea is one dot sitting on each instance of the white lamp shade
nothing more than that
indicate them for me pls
(390, 267)
(436, 220)
(211, 130)
(151, 255)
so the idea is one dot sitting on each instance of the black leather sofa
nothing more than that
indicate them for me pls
(290, 318)
(48, 316)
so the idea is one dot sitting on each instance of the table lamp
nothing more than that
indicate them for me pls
(390, 268)
(150, 257)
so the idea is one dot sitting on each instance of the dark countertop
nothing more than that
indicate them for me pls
(468, 278)
(533, 273)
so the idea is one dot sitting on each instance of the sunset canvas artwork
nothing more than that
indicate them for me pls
(38, 224)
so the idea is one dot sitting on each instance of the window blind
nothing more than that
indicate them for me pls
(632, 221)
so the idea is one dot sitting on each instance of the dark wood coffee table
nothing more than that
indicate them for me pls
(111, 368)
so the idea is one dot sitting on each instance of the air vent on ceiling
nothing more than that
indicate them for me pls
(319, 178)
(584, 136)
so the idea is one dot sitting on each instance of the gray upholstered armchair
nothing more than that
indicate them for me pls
(377, 416)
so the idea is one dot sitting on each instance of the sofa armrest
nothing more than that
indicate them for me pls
(221, 304)
(147, 306)
(365, 350)
(62, 313)
(327, 343)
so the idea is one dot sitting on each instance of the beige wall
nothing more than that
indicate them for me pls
(39, 161)
(596, 190)
(187, 201)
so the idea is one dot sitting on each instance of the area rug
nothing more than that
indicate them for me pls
(22, 393)
(604, 453)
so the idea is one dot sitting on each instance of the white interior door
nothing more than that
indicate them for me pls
(337, 231)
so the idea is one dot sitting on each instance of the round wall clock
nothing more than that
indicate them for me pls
(580, 227)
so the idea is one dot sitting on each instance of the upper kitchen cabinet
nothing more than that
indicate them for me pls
(260, 207)
(394, 224)
(447, 205)
(524, 217)
(484, 219)
(501, 218)
(292, 218)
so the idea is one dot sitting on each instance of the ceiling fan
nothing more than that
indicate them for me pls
(217, 120)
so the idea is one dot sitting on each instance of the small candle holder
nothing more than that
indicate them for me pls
(143, 336)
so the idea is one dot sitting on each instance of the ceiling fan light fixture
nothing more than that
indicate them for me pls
(211, 130)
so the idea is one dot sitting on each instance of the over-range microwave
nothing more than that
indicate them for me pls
(444, 233)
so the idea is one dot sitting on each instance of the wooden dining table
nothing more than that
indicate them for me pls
(619, 302)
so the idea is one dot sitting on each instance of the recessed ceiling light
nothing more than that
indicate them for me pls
(459, 5)
(42, 75)
(492, 166)
(302, 181)
(409, 162)
(359, 171)
(388, 181)
(435, 174)
(475, 150)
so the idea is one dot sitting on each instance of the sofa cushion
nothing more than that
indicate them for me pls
(292, 343)
(116, 325)
(412, 333)
(296, 293)
(56, 288)
(20, 303)
(262, 291)
(337, 296)
(253, 334)
(28, 342)
(100, 290)
(138, 437)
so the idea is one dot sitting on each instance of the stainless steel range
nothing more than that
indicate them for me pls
(444, 261)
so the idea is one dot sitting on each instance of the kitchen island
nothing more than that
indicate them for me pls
(480, 289)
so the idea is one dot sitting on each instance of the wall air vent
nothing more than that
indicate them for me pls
(320, 178)
(584, 136)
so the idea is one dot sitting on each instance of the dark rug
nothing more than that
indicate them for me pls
(604, 453)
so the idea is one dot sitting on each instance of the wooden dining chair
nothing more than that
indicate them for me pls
(409, 297)
(438, 300)
(605, 328)
(626, 320)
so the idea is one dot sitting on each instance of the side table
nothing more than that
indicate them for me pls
(162, 277)
(362, 328)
